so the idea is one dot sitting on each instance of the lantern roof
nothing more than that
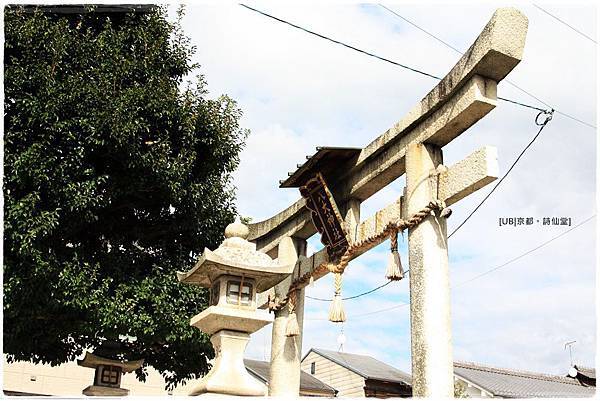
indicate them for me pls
(93, 361)
(236, 256)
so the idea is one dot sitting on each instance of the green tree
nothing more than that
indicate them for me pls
(460, 389)
(116, 174)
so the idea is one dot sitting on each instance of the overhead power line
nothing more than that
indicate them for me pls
(438, 78)
(341, 43)
(354, 296)
(542, 126)
(526, 253)
(564, 23)
(400, 305)
(368, 53)
(508, 81)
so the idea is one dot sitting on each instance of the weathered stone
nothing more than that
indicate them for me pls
(215, 318)
(236, 256)
(431, 341)
(468, 175)
(235, 272)
(108, 385)
(101, 391)
(412, 146)
(229, 375)
(286, 351)
(461, 179)
(497, 50)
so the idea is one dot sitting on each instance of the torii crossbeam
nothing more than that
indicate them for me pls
(412, 146)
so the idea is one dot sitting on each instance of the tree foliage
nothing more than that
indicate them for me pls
(116, 175)
(460, 389)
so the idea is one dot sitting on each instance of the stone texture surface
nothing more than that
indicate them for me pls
(286, 351)
(461, 179)
(431, 340)
(236, 256)
(496, 51)
(101, 391)
(468, 175)
(229, 375)
(413, 146)
(90, 360)
(217, 318)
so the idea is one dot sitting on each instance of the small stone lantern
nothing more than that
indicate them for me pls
(235, 272)
(107, 380)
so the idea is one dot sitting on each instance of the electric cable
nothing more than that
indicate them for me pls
(481, 274)
(368, 53)
(564, 23)
(508, 81)
(354, 296)
(542, 126)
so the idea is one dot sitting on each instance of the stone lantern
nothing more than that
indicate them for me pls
(107, 379)
(235, 272)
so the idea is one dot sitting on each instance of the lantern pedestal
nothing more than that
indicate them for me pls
(229, 375)
(102, 391)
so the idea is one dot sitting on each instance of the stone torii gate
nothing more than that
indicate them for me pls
(412, 146)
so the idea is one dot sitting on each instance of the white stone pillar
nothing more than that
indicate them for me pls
(286, 352)
(431, 338)
(229, 375)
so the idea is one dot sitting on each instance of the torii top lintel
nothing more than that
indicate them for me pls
(464, 96)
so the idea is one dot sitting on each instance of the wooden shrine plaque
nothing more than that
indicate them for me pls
(325, 216)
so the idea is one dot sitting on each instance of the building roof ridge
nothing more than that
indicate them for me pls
(516, 372)
(328, 354)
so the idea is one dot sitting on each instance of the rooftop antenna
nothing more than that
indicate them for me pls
(570, 345)
(341, 339)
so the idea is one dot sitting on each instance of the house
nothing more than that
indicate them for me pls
(69, 379)
(584, 375)
(486, 381)
(310, 386)
(355, 375)
(363, 376)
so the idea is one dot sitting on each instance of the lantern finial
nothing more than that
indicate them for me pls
(237, 229)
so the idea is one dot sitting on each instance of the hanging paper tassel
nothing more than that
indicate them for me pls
(336, 311)
(394, 269)
(292, 328)
(311, 282)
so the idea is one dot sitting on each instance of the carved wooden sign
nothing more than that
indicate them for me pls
(325, 216)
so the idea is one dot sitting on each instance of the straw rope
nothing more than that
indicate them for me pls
(390, 230)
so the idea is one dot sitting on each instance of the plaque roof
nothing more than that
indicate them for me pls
(329, 161)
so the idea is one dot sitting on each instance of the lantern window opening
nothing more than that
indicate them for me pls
(239, 292)
(110, 375)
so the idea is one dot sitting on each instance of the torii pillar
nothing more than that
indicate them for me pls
(284, 376)
(430, 325)
(412, 146)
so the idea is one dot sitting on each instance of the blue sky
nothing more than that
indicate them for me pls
(298, 92)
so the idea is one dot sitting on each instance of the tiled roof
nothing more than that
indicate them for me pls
(589, 372)
(365, 366)
(260, 369)
(520, 384)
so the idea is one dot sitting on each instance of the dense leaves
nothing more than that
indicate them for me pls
(116, 175)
